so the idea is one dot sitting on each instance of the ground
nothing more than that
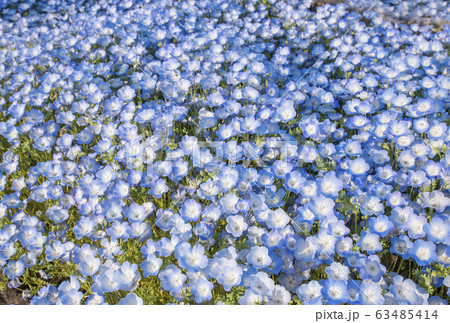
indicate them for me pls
(11, 296)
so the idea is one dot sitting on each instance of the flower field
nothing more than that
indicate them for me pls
(225, 152)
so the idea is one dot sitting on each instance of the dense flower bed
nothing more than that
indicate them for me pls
(222, 152)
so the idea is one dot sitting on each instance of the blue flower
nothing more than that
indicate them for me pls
(370, 294)
(369, 242)
(380, 225)
(423, 252)
(192, 258)
(236, 225)
(438, 230)
(89, 266)
(401, 246)
(14, 269)
(229, 276)
(131, 299)
(335, 292)
(259, 257)
(371, 268)
(151, 265)
(201, 289)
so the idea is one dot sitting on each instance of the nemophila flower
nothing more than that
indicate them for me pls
(126, 275)
(118, 230)
(266, 177)
(326, 243)
(437, 130)
(423, 252)
(191, 258)
(277, 219)
(139, 230)
(95, 299)
(432, 169)
(273, 240)
(83, 227)
(306, 249)
(385, 173)
(280, 296)
(343, 245)
(310, 128)
(131, 299)
(443, 253)
(414, 225)
(230, 276)
(55, 250)
(171, 278)
(435, 199)
(417, 179)
(126, 93)
(110, 248)
(228, 203)
(335, 291)
(354, 289)
(404, 290)
(395, 199)
(227, 179)
(71, 297)
(179, 170)
(369, 242)
(407, 159)
(351, 148)
(308, 154)
(420, 150)
(336, 271)
(322, 207)
(400, 246)
(14, 269)
(309, 291)
(135, 213)
(167, 246)
(370, 294)
(446, 281)
(358, 166)
(158, 188)
(29, 259)
(106, 144)
(89, 266)
(399, 216)
(436, 300)
(327, 150)
(201, 289)
(330, 185)
(304, 214)
(380, 225)
(81, 253)
(372, 206)
(437, 230)
(166, 219)
(285, 112)
(259, 257)
(371, 268)
(421, 125)
(151, 265)
(236, 225)
(25, 236)
(44, 143)
(121, 189)
(261, 284)
(250, 298)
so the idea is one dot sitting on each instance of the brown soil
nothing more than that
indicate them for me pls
(12, 296)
